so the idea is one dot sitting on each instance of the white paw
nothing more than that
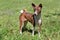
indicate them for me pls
(33, 35)
(39, 34)
(20, 32)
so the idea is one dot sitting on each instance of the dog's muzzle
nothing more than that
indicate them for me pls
(36, 13)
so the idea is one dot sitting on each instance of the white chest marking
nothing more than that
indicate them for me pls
(39, 21)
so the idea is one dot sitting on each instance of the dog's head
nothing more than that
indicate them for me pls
(37, 9)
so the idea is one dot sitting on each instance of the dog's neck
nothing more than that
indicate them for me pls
(38, 16)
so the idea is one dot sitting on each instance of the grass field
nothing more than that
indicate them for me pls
(9, 19)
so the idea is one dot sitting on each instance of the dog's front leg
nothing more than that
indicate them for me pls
(39, 29)
(34, 23)
(39, 26)
(33, 29)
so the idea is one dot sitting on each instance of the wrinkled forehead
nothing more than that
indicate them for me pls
(37, 7)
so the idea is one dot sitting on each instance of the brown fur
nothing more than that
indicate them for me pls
(25, 16)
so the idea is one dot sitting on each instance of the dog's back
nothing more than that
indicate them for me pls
(25, 16)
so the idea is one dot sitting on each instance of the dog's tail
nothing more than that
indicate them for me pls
(22, 11)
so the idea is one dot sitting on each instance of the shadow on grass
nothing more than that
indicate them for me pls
(58, 14)
(47, 15)
(0, 36)
(25, 29)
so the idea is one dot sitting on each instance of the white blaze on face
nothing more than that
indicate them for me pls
(36, 13)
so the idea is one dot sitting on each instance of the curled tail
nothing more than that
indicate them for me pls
(22, 11)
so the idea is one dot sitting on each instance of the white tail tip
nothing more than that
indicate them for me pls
(21, 11)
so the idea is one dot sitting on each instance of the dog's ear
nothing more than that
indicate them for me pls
(40, 5)
(33, 5)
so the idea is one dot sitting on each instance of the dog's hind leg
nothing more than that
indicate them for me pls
(21, 26)
(24, 27)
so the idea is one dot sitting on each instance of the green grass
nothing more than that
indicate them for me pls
(9, 19)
